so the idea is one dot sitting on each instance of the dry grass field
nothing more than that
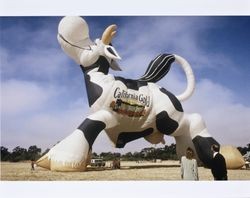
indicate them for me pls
(146, 171)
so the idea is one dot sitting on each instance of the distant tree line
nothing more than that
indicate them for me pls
(151, 153)
(21, 154)
(34, 153)
(244, 150)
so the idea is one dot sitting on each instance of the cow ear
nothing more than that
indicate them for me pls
(111, 52)
(115, 66)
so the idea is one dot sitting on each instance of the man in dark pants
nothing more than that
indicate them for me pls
(219, 169)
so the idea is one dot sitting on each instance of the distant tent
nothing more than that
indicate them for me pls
(233, 157)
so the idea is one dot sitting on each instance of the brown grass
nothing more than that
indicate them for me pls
(147, 171)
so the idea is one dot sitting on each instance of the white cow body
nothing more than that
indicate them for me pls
(126, 109)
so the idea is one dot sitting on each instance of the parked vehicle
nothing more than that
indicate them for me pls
(97, 162)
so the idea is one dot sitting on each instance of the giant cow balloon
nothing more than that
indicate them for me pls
(125, 109)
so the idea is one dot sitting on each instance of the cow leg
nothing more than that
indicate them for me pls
(193, 133)
(73, 152)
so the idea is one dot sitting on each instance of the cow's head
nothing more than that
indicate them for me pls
(73, 36)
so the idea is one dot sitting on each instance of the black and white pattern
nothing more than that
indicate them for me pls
(130, 109)
(158, 68)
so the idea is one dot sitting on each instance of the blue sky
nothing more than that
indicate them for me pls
(43, 96)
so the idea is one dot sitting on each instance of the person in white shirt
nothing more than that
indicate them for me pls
(189, 168)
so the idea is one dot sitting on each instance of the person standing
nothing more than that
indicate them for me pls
(218, 168)
(189, 168)
(32, 165)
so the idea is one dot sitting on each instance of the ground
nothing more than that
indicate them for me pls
(143, 171)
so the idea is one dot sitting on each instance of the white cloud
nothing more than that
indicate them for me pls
(19, 97)
(43, 128)
(230, 124)
(211, 95)
(38, 64)
(159, 35)
(226, 120)
(32, 53)
(142, 39)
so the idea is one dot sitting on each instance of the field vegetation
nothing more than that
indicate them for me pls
(130, 170)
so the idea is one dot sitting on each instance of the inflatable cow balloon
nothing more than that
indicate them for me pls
(125, 109)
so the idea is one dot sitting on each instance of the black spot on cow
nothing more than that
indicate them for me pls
(174, 100)
(131, 84)
(91, 129)
(165, 124)
(94, 90)
(102, 64)
(125, 137)
(203, 149)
